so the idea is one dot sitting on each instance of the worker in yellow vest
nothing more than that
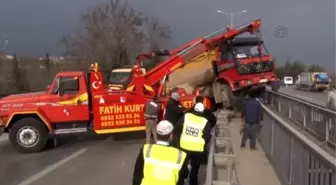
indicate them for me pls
(160, 163)
(194, 132)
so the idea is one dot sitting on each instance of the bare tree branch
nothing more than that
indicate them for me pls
(113, 33)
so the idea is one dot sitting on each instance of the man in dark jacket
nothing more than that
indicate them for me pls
(275, 85)
(251, 117)
(158, 165)
(152, 111)
(174, 110)
(193, 132)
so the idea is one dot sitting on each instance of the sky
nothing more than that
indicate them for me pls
(34, 27)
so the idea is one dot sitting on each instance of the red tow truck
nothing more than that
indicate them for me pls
(77, 102)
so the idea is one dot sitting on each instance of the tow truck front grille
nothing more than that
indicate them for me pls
(255, 67)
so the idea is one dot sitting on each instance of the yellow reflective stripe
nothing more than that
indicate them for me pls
(194, 139)
(195, 125)
(163, 163)
(82, 97)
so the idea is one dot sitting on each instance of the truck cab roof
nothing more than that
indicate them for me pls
(70, 73)
(246, 41)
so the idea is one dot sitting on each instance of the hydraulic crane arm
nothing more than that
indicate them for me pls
(170, 65)
(143, 56)
(252, 27)
(186, 52)
(195, 48)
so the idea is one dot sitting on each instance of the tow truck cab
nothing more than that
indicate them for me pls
(245, 62)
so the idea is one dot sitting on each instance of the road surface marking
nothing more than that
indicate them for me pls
(299, 96)
(52, 167)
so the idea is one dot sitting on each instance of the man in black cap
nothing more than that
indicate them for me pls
(174, 110)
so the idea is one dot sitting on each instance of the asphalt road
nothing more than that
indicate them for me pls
(82, 160)
(319, 98)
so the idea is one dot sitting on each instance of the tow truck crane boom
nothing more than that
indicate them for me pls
(141, 82)
(252, 27)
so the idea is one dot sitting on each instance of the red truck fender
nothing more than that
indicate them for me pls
(28, 113)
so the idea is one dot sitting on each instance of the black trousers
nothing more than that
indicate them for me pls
(195, 159)
(250, 131)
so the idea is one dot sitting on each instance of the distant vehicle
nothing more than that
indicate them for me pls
(288, 80)
(313, 81)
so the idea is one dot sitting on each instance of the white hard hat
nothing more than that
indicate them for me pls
(199, 107)
(164, 127)
(175, 96)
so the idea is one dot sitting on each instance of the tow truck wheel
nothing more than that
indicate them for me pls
(28, 135)
(227, 96)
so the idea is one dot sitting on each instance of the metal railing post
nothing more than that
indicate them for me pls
(290, 110)
(272, 137)
(304, 118)
(290, 179)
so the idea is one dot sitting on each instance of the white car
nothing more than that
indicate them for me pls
(288, 80)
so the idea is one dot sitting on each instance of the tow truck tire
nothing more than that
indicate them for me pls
(35, 133)
(227, 96)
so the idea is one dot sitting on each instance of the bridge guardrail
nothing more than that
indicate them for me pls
(221, 157)
(295, 158)
(316, 120)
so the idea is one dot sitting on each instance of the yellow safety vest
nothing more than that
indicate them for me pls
(192, 133)
(162, 164)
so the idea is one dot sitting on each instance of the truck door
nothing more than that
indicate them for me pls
(73, 104)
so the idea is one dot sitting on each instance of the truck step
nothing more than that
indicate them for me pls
(70, 130)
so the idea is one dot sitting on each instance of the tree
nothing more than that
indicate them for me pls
(315, 68)
(296, 68)
(157, 33)
(113, 33)
(17, 77)
(46, 64)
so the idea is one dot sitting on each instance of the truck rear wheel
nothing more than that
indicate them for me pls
(227, 97)
(28, 135)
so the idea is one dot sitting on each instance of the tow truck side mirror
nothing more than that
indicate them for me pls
(60, 88)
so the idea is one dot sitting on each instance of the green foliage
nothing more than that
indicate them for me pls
(315, 68)
(294, 68)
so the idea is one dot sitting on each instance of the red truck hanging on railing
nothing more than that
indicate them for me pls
(225, 67)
